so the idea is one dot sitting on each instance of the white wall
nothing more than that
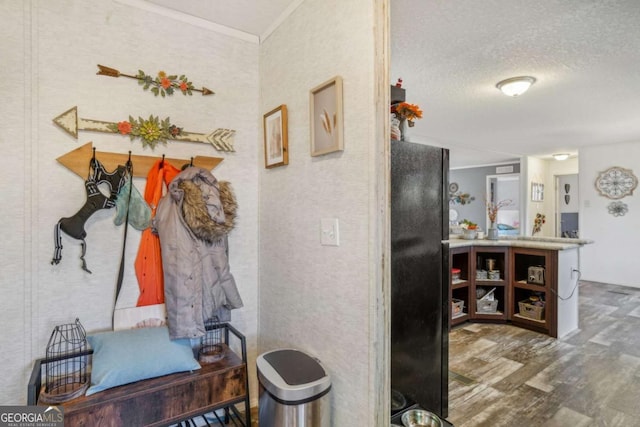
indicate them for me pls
(611, 259)
(312, 297)
(536, 171)
(556, 168)
(50, 54)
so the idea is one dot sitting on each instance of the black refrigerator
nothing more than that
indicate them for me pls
(419, 277)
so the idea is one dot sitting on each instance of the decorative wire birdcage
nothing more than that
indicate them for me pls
(211, 348)
(66, 364)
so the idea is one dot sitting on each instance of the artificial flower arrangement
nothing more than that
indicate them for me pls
(408, 112)
(468, 225)
(494, 207)
(537, 223)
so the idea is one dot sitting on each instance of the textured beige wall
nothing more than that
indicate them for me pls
(15, 259)
(52, 50)
(312, 297)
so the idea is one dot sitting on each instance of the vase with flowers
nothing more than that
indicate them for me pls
(406, 114)
(492, 213)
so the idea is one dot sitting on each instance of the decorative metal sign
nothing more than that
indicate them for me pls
(618, 208)
(163, 84)
(151, 131)
(616, 183)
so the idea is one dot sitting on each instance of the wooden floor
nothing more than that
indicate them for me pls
(506, 376)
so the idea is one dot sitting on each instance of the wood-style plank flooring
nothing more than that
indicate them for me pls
(502, 375)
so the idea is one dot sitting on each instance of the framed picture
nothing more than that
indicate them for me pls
(276, 146)
(326, 117)
(537, 192)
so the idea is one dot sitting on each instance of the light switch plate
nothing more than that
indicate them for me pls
(329, 232)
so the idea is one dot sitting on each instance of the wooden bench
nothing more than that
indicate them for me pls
(165, 400)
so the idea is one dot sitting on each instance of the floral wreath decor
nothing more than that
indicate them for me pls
(151, 131)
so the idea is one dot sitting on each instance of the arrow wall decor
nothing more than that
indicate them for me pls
(162, 84)
(151, 131)
(78, 161)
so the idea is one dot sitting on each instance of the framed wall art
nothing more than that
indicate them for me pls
(537, 192)
(276, 146)
(326, 117)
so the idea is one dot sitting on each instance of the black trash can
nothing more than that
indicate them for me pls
(294, 390)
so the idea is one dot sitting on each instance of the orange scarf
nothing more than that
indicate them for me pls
(148, 264)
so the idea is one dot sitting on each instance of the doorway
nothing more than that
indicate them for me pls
(567, 206)
(505, 187)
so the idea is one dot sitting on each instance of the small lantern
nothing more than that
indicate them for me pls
(66, 364)
(211, 348)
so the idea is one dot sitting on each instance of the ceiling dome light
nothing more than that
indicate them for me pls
(516, 85)
(560, 156)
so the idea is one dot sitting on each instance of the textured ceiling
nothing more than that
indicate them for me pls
(584, 54)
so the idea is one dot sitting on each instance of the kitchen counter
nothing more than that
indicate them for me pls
(548, 243)
(559, 259)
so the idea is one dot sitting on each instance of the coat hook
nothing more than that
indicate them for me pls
(191, 163)
(162, 161)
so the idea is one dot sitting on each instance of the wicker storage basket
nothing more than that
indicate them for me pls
(457, 306)
(484, 306)
(531, 311)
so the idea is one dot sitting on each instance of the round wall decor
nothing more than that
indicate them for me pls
(616, 183)
(618, 208)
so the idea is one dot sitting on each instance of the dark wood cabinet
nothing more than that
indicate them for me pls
(541, 264)
(507, 273)
(493, 263)
(460, 289)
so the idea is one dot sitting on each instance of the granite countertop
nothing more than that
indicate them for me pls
(549, 243)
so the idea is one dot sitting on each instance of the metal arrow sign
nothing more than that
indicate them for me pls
(151, 131)
(78, 161)
(162, 84)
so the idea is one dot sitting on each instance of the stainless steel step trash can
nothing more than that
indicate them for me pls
(294, 390)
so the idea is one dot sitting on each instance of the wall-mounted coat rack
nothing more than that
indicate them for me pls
(78, 161)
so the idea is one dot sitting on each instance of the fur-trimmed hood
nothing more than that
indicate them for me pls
(208, 206)
(192, 221)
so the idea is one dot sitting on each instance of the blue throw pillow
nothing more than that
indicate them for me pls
(130, 355)
(505, 227)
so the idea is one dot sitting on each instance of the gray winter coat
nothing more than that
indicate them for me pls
(192, 221)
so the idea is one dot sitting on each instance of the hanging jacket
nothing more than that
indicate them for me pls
(148, 263)
(193, 221)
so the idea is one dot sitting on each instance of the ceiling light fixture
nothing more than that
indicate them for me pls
(561, 156)
(516, 85)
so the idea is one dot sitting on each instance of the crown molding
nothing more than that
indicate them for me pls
(283, 17)
(189, 19)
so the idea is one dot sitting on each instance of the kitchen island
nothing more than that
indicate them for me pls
(531, 282)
